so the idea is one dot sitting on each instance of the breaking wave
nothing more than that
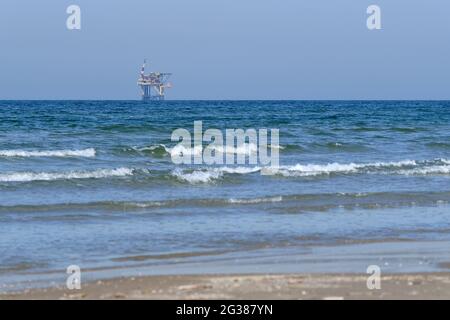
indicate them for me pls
(52, 176)
(87, 153)
(332, 168)
(214, 174)
(197, 176)
(161, 150)
(406, 167)
(427, 171)
(244, 149)
(210, 175)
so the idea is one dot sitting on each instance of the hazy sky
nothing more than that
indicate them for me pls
(226, 49)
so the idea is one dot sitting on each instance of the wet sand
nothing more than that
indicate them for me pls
(294, 286)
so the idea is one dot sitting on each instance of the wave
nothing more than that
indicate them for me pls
(405, 167)
(333, 168)
(214, 174)
(52, 176)
(302, 202)
(157, 150)
(256, 200)
(243, 149)
(427, 171)
(211, 174)
(87, 153)
(197, 176)
(162, 149)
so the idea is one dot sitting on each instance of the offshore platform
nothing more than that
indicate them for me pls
(153, 85)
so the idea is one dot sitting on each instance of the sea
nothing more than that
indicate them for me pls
(92, 184)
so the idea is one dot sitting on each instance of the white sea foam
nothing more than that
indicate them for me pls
(312, 169)
(426, 171)
(403, 163)
(87, 153)
(246, 148)
(197, 176)
(298, 170)
(243, 149)
(238, 170)
(301, 170)
(211, 174)
(179, 150)
(51, 176)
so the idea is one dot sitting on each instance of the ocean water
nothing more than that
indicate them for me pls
(92, 183)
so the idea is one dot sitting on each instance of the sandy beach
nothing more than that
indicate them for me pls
(294, 286)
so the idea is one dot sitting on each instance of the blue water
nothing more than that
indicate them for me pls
(92, 183)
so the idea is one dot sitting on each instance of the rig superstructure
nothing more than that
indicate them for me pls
(153, 85)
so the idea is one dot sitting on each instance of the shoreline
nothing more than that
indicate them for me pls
(319, 271)
(252, 287)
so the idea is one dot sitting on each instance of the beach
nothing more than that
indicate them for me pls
(185, 278)
(254, 287)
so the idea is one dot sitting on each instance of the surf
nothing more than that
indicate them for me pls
(86, 153)
(70, 175)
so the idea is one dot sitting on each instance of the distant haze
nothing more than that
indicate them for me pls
(226, 49)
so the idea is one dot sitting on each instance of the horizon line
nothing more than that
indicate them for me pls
(237, 100)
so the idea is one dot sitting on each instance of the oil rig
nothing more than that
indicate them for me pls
(153, 85)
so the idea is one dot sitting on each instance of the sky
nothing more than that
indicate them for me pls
(226, 49)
